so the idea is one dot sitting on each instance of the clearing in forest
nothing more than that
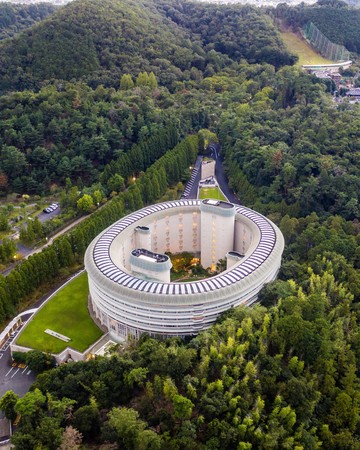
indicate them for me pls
(306, 53)
(65, 313)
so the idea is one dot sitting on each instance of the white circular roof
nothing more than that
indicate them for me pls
(104, 263)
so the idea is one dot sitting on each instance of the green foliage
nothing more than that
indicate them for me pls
(7, 404)
(29, 405)
(234, 30)
(260, 377)
(7, 250)
(116, 183)
(130, 431)
(336, 21)
(286, 158)
(38, 361)
(67, 250)
(87, 420)
(281, 375)
(126, 82)
(35, 359)
(4, 225)
(15, 17)
(182, 407)
(85, 203)
(151, 42)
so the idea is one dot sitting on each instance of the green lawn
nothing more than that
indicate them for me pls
(306, 54)
(67, 314)
(211, 192)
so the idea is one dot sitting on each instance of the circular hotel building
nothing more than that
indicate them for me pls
(129, 272)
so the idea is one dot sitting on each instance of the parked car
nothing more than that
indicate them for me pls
(51, 208)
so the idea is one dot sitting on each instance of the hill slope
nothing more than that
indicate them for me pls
(79, 39)
(15, 18)
(101, 41)
(339, 23)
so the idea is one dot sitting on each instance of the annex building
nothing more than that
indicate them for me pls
(129, 272)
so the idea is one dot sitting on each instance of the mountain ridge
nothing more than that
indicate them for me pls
(99, 43)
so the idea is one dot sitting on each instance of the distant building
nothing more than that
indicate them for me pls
(128, 270)
(337, 78)
(353, 94)
(321, 75)
(325, 75)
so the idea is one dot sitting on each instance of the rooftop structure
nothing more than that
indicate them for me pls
(207, 168)
(128, 293)
(355, 92)
(147, 255)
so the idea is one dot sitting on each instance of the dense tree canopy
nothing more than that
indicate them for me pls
(126, 36)
(17, 17)
(337, 21)
(284, 374)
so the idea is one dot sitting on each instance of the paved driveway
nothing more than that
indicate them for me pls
(223, 181)
(13, 378)
(43, 217)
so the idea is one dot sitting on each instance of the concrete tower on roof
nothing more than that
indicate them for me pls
(129, 273)
(208, 168)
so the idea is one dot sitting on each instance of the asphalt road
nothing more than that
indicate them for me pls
(223, 181)
(14, 378)
(26, 252)
(220, 177)
(23, 249)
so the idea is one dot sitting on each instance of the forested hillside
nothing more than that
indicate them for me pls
(339, 22)
(283, 375)
(239, 32)
(15, 18)
(100, 42)
(296, 150)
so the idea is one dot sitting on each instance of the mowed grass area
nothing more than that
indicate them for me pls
(66, 313)
(306, 54)
(211, 192)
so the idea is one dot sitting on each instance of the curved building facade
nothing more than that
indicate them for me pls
(129, 273)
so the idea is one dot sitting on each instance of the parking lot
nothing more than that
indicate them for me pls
(43, 216)
(15, 368)
(13, 377)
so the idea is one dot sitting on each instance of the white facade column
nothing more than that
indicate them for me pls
(143, 237)
(217, 231)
